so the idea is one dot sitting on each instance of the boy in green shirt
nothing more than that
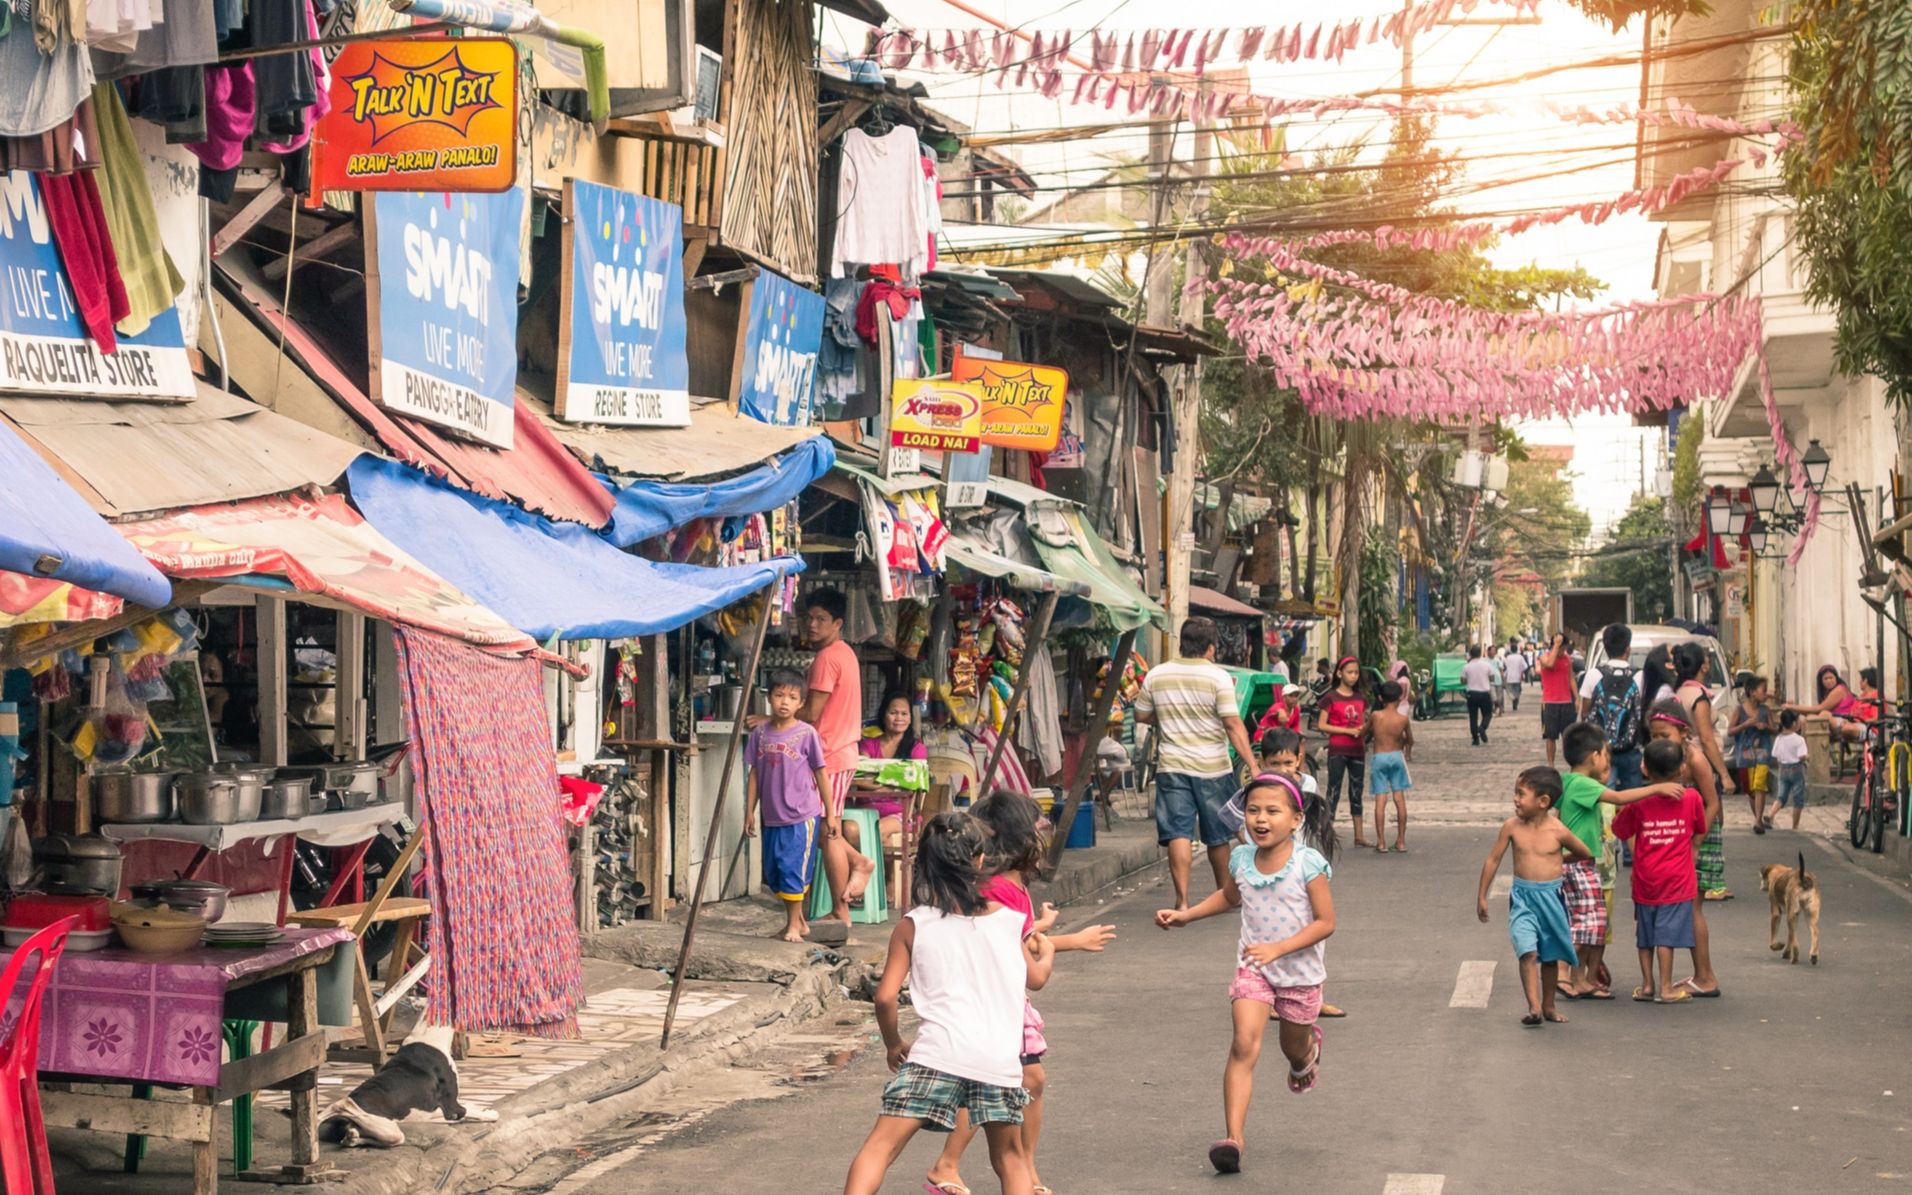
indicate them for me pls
(1583, 793)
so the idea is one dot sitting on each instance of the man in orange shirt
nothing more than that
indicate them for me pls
(833, 703)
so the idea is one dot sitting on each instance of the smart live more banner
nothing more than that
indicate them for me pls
(446, 309)
(621, 351)
(44, 348)
(782, 334)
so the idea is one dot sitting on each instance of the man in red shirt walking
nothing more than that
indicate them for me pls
(1557, 710)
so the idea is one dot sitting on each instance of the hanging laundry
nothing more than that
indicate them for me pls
(62, 149)
(151, 280)
(230, 114)
(86, 251)
(286, 85)
(188, 36)
(886, 289)
(115, 25)
(879, 197)
(174, 98)
(932, 194)
(42, 89)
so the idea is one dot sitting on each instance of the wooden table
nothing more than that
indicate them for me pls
(118, 1017)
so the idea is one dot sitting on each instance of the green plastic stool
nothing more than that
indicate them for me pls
(876, 905)
(238, 1035)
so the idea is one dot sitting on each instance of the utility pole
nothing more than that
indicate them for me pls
(1187, 395)
(1158, 294)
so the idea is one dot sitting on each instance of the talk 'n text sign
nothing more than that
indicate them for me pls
(44, 349)
(621, 353)
(783, 331)
(937, 415)
(446, 309)
(411, 114)
(1022, 403)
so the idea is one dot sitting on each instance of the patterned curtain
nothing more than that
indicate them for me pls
(504, 941)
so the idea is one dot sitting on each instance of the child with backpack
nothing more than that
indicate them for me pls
(1611, 698)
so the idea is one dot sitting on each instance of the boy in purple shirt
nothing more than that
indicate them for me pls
(785, 758)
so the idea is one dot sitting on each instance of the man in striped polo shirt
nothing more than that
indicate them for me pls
(1192, 704)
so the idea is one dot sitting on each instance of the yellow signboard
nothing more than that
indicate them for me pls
(937, 415)
(1022, 403)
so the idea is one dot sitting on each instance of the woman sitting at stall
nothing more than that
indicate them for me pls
(1837, 703)
(893, 737)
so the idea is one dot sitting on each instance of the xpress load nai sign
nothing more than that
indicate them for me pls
(44, 349)
(445, 318)
(621, 354)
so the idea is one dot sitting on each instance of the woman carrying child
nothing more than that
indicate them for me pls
(1014, 855)
(968, 964)
(1281, 888)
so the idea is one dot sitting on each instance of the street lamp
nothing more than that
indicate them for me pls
(1736, 519)
(1719, 512)
(1765, 489)
(1817, 462)
(1756, 534)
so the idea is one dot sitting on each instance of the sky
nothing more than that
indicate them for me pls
(1526, 157)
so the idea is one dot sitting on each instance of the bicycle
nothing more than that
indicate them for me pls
(1882, 786)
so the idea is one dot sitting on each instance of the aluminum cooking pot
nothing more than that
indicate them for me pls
(122, 795)
(86, 862)
(201, 898)
(287, 797)
(206, 799)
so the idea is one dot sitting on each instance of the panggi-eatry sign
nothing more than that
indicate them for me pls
(937, 415)
(44, 349)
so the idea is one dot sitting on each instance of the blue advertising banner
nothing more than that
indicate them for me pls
(781, 339)
(44, 349)
(446, 349)
(621, 356)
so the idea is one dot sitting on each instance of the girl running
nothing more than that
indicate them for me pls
(1015, 854)
(1281, 887)
(967, 964)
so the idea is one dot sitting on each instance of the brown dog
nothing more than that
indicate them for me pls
(1792, 892)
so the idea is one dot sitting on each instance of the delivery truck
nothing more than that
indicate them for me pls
(1582, 612)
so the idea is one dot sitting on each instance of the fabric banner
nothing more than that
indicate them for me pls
(318, 545)
(781, 339)
(44, 348)
(25, 599)
(49, 533)
(504, 941)
(545, 578)
(648, 508)
(621, 351)
(446, 309)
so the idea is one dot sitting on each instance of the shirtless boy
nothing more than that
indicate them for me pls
(1392, 733)
(1536, 914)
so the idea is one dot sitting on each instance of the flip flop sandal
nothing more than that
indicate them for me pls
(945, 1188)
(1312, 1073)
(1225, 1156)
(1643, 995)
(1678, 997)
(1694, 990)
(1531, 1021)
(1598, 994)
(1332, 1012)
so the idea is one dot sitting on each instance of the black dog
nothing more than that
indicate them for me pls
(419, 1078)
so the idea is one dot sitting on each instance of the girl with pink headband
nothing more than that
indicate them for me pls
(1287, 913)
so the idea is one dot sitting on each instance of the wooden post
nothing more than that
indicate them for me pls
(717, 819)
(1038, 640)
(302, 1020)
(272, 682)
(348, 700)
(1085, 759)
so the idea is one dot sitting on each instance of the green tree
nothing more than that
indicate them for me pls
(1851, 177)
(1544, 527)
(1635, 557)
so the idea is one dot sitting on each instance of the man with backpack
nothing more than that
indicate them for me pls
(1610, 698)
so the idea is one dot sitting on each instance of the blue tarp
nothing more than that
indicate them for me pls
(543, 577)
(648, 508)
(48, 530)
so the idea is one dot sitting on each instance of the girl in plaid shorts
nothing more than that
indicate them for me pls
(968, 965)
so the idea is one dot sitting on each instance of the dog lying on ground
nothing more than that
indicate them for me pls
(1791, 893)
(420, 1077)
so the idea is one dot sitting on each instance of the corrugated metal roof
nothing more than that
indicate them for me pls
(717, 443)
(537, 472)
(1201, 597)
(1069, 286)
(137, 457)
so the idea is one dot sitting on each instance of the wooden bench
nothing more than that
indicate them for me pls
(407, 965)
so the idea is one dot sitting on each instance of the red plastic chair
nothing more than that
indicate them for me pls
(24, 1160)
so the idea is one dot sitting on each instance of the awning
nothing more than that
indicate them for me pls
(1072, 550)
(717, 443)
(544, 577)
(51, 538)
(1201, 597)
(131, 458)
(536, 472)
(25, 599)
(970, 549)
(648, 508)
(319, 546)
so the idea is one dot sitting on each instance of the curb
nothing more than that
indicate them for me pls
(578, 1103)
(1074, 884)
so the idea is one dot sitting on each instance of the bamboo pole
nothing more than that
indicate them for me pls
(1037, 641)
(1085, 759)
(716, 821)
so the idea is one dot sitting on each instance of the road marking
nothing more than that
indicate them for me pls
(1414, 1184)
(1501, 887)
(1472, 988)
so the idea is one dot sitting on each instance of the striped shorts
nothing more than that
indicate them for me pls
(840, 785)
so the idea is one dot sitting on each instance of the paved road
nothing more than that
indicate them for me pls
(1798, 1080)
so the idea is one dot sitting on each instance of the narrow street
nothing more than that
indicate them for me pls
(1796, 1080)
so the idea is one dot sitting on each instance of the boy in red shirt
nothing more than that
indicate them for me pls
(1665, 832)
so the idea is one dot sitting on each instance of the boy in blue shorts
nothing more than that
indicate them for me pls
(785, 758)
(1391, 733)
(1536, 911)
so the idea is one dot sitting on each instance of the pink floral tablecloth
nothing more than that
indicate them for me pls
(151, 1018)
